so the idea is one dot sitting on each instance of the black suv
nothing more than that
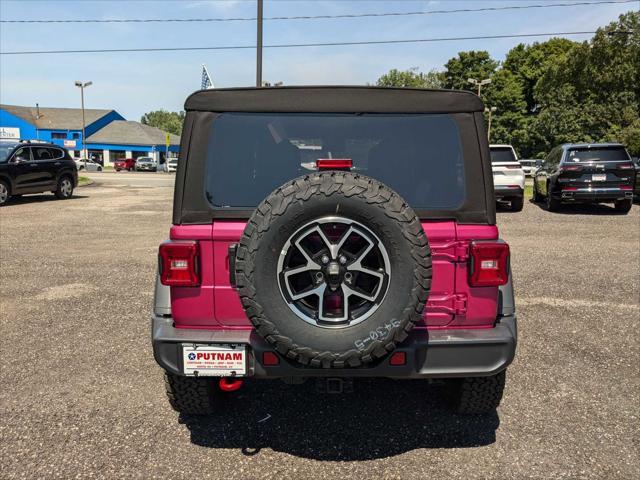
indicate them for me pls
(586, 173)
(27, 167)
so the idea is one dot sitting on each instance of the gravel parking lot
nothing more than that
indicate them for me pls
(82, 396)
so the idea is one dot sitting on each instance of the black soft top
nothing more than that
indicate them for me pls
(203, 107)
(334, 99)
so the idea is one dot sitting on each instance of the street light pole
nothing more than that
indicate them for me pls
(479, 83)
(259, 46)
(82, 86)
(490, 112)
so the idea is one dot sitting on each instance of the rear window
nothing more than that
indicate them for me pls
(419, 156)
(502, 154)
(608, 154)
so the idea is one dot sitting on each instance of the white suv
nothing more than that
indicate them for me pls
(508, 176)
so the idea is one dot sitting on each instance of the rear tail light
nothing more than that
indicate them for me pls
(334, 164)
(517, 167)
(625, 166)
(626, 187)
(489, 265)
(569, 189)
(570, 168)
(179, 264)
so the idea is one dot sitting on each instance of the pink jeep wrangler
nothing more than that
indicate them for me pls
(333, 232)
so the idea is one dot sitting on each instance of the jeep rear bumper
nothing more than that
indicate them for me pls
(429, 354)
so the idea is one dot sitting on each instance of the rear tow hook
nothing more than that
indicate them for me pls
(227, 384)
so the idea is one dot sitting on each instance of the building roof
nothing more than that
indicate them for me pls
(124, 132)
(338, 99)
(56, 118)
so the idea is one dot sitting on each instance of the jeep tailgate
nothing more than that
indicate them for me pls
(452, 302)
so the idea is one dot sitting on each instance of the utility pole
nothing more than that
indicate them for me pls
(82, 86)
(259, 46)
(490, 112)
(479, 83)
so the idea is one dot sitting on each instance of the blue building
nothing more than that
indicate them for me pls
(62, 126)
(109, 136)
(126, 139)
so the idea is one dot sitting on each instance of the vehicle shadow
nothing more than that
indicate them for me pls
(582, 209)
(37, 198)
(504, 207)
(380, 419)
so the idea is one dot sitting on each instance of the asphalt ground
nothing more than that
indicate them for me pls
(82, 397)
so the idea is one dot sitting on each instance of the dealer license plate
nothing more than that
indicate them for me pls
(215, 360)
(599, 177)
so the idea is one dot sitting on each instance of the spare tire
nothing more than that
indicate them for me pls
(333, 269)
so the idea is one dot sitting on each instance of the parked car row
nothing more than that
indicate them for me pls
(144, 164)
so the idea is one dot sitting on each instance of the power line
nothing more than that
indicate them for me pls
(319, 17)
(296, 45)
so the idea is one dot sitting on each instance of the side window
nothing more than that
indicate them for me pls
(43, 154)
(57, 153)
(548, 160)
(22, 154)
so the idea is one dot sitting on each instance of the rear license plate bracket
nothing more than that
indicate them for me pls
(214, 360)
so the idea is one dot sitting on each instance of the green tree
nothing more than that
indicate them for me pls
(506, 95)
(529, 63)
(411, 78)
(168, 121)
(472, 64)
(593, 92)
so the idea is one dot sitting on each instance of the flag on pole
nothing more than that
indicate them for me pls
(206, 79)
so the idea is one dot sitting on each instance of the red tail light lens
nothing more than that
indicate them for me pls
(570, 168)
(179, 264)
(569, 189)
(625, 166)
(489, 265)
(626, 187)
(334, 164)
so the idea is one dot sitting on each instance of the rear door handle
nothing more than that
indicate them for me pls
(33, 164)
(57, 163)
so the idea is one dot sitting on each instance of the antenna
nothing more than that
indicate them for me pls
(207, 83)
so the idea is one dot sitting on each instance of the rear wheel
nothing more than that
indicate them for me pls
(191, 395)
(478, 395)
(65, 188)
(536, 195)
(553, 205)
(517, 204)
(623, 206)
(4, 192)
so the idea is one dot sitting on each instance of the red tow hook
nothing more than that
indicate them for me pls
(228, 384)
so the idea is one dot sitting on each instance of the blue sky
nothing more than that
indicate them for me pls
(133, 83)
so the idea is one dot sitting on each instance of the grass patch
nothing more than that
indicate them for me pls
(83, 181)
(528, 191)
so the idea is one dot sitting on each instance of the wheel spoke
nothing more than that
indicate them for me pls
(310, 262)
(319, 290)
(358, 267)
(347, 290)
(304, 268)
